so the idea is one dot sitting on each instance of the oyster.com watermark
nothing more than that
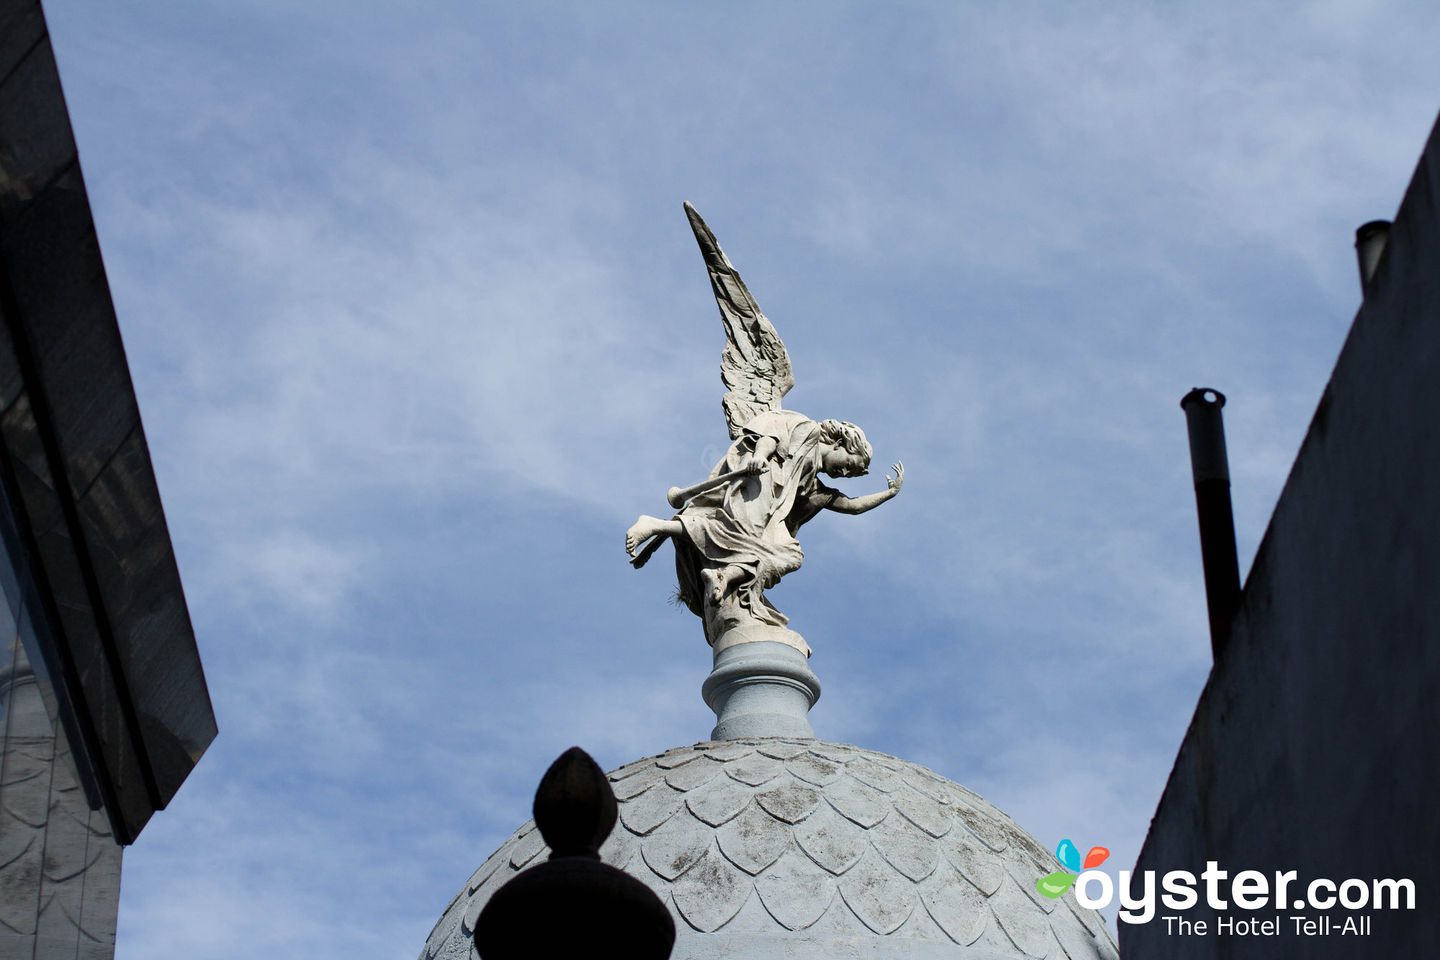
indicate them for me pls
(1274, 903)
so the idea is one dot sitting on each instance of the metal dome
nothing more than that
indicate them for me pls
(799, 848)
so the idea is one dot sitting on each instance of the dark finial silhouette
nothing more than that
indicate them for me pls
(573, 905)
(574, 806)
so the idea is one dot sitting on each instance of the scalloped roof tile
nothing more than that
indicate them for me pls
(769, 847)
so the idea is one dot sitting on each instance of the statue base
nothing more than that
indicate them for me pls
(761, 686)
(759, 633)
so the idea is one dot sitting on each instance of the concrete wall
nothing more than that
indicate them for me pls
(1315, 746)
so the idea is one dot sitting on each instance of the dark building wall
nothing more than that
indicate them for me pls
(76, 465)
(104, 709)
(1315, 746)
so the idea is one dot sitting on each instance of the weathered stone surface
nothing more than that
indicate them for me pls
(478, 879)
(931, 816)
(775, 869)
(753, 840)
(673, 759)
(710, 894)
(789, 800)
(781, 749)
(957, 906)
(937, 789)
(631, 787)
(873, 774)
(840, 753)
(832, 841)
(719, 802)
(905, 847)
(472, 915)
(754, 769)
(858, 803)
(671, 852)
(693, 775)
(618, 848)
(652, 808)
(630, 769)
(527, 849)
(1074, 939)
(975, 863)
(728, 750)
(1043, 902)
(981, 826)
(796, 891)
(1023, 922)
(880, 897)
(814, 769)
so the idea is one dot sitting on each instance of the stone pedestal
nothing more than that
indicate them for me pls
(761, 687)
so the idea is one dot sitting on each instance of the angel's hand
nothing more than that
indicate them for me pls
(898, 480)
(753, 467)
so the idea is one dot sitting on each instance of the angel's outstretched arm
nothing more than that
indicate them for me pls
(854, 505)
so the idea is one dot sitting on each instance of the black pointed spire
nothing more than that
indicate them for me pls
(573, 905)
(574, 806)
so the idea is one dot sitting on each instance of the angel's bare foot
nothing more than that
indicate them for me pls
(642, 530)
(714, 586)
(647, 527)
(718, 581)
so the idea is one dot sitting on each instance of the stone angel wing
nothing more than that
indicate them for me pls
(754, 365)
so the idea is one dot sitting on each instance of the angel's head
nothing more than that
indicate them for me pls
(844, 450)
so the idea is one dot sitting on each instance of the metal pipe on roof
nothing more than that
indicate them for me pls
(1370, 240)
(1211, 470)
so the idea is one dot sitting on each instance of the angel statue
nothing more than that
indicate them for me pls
(734, 532)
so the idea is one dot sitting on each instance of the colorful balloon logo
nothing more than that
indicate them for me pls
(1069, 856)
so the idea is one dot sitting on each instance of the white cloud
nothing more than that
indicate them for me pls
(301, 571)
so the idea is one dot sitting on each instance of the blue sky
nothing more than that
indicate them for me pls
(418, 328)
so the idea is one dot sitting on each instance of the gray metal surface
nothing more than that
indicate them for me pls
(800, 848)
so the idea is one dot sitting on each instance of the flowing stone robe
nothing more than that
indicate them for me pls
(750, 522)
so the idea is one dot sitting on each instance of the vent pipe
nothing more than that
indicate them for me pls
(1369, 244)
(1211, 470)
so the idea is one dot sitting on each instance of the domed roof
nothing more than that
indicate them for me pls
(800, 848)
